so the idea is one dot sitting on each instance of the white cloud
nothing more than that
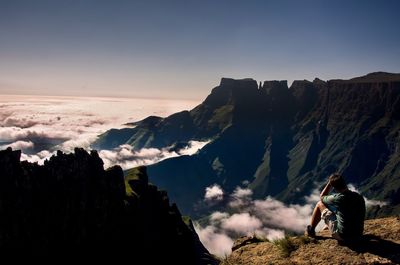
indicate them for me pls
(269, 233)
(241, 223)
(127, 157)
(218, 242)
(242, 192)
(193, 147)
(38, 158)
(83, 141)
(368, 202)
(15, 122)
(313, 198)
(214, 193)
(240, 197)
(276, 214)
(19, 145)
(218, 216)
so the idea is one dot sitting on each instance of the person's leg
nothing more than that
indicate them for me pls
(316, 216)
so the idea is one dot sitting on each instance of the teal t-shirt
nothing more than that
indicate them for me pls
(349, 208)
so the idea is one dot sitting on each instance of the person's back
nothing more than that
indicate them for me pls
(349, 207)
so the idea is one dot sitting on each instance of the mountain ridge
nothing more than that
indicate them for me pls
(285, 141)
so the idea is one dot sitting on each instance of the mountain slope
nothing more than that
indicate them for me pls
(72, 208)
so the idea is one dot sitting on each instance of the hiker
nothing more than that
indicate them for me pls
(342, 212)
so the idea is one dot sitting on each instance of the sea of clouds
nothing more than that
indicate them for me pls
(40, 125)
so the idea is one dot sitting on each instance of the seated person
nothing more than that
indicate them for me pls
(342, 212)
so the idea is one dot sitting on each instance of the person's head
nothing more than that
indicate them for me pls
(337, 181)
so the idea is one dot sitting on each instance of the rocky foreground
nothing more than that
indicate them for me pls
(381, 245)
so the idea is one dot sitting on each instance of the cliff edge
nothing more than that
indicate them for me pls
(380, 245)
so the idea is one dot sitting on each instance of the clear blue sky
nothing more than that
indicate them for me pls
(181, 49)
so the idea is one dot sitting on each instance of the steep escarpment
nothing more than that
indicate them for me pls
(72, 208)
(285, 141)
(353, 128)
(380, 245)
(201, 123)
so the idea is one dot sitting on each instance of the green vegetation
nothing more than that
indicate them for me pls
(186, 219)
(288, 244)
(131, 174)
(285, 245)
(222, 117)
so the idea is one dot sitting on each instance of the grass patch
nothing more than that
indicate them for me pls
(131, 174)
(305, 240)
(288, 244)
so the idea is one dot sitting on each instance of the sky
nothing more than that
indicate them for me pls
(181, 49)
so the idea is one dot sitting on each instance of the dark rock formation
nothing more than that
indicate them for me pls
(72, 208)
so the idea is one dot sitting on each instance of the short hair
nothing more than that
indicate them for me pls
(337, 181)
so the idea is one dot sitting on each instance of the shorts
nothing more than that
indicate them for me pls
(330, 220)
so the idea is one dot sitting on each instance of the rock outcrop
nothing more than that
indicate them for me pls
(380, 245)
(71, 208)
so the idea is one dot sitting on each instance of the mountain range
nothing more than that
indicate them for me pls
(279, 141)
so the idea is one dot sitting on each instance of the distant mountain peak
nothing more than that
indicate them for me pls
(270, 86)
(235, 82)
(374, 77)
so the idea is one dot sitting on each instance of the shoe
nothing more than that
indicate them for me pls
(310, 231)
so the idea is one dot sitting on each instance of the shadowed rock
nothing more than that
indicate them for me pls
(72, 208)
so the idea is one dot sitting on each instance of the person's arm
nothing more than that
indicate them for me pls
(326, 190)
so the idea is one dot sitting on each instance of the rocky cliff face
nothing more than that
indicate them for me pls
(284, 140)
(72, 208)
(380, 245)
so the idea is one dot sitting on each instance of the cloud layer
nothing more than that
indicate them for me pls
(18, 145)
(368, 202)
(38, 125)
(127, 157)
